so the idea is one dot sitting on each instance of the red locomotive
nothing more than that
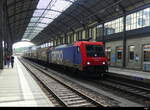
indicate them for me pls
(93, 56)
(84, 56)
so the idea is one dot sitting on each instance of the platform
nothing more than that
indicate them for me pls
(19, 89)
(137, 75)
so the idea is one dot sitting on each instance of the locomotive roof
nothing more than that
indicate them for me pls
(88, 42)
(63, 46)
(77, 43)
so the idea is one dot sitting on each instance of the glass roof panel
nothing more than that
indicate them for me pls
(45, 20)
(38, 28)
(31, 24)
(61, 5)
(45, 9)
(34, 19)
(38, 12)
(29, 27)
(27, 31)
(37, 31)
(52, 14)
(43, 3)
(42, 25)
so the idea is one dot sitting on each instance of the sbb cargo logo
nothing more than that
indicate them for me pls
(57, 56)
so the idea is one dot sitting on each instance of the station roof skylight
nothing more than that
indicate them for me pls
(45, 13)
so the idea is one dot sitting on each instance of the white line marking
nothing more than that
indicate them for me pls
(24, 85)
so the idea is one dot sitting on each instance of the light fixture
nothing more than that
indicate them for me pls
(117, 8)
(88, 63)
(104, 63)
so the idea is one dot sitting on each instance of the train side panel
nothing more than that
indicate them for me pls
(67, 56)
(77, 58)
(42, 54)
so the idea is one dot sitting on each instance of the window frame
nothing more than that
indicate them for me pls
(129, 59)
(119, 60)
(144, 54)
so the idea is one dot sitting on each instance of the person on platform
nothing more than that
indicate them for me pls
(12, 61)
(8, 60)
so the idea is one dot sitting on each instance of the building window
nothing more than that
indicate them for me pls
(119, 52)
(66, 39)
(141, 22)
(71, 38)
(87, 33)
(147, 53)
(131, 52)
(79, 35)
(135, 20)
(128, 20)
(138, 19)
(114, 26)
(90, 33)
(99, 30)
(108, 53)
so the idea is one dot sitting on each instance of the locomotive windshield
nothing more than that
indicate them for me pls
(95, 51)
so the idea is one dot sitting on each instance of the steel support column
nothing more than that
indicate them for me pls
(66, 42)
(10, 48)
(7, 47)
(56, 41)
(53, 42)
(103, 34)
(5, 50)
(6, 38)
(1, 48)
(124, 41)
(1, 35)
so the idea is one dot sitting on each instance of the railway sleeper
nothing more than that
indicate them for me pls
(80, 101)
(142, 93)
(63, 92)
(77, 102)
(64, 97)
(68, 95)
(83, 105)
(73, 99)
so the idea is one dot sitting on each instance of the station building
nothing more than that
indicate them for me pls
(130, 31)
(122, 25)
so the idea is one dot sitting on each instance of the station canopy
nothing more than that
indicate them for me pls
(41, 20)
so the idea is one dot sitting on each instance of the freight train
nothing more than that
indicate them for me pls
(85, 56)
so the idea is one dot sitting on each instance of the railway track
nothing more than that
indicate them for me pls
(127, 89)
(66, 95)
(134, 88)
(137, 92)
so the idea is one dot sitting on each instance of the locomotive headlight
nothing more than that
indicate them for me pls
(104, 63)
(88, 63)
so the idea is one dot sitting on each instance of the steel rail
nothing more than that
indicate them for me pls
(82, 95)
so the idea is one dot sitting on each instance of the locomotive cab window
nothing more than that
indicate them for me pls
(95, 51)
(147, 53)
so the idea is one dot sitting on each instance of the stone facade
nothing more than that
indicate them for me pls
(138, 51)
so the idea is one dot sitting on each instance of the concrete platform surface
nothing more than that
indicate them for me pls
(132, 73)
(19, 89)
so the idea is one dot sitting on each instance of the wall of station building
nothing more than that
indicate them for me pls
(137, 50)
(134, 20)
(137, 53)
(79, 34)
